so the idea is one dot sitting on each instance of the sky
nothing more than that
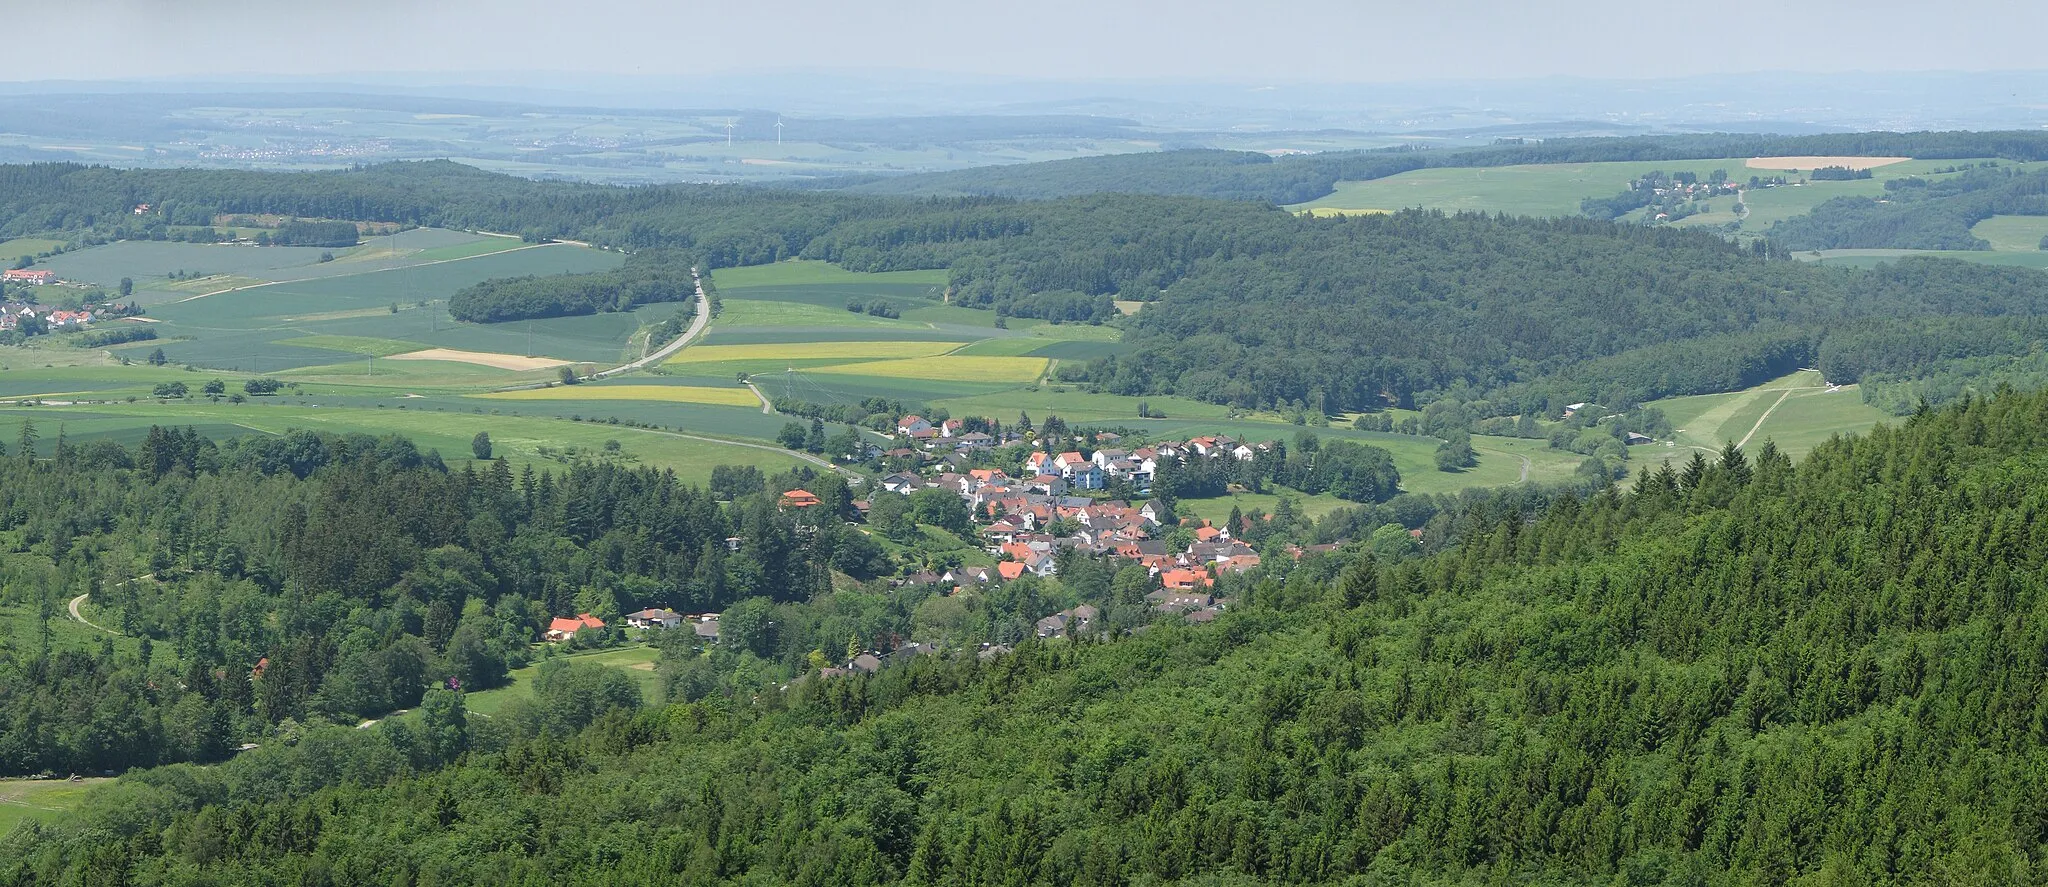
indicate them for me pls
(1361, 41)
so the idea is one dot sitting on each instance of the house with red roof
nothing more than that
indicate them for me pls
(800, 499)
(562, 628)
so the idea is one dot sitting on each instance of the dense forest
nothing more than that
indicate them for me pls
(1920, 213)
(647, 278)
(355, 571)
(1740, 672)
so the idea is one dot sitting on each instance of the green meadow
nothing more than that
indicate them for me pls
(1555, 189)
(1797, 413)
(636, 661)
(2022, 234)
(30, 800)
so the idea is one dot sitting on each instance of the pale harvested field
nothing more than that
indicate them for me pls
(482, 358)
(1818, 162)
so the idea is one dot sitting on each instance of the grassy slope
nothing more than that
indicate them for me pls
(1802, 412)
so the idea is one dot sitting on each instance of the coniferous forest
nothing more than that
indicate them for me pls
(1740, 672)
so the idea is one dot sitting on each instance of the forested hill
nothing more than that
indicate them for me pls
(1743, 672)
(1919, 213)
(1249, 175)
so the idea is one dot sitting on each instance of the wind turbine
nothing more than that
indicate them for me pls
(728, 131)
(778, 129)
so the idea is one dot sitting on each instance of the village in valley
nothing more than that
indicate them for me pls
(1056, 503)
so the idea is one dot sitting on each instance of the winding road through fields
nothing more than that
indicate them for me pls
(697, 325)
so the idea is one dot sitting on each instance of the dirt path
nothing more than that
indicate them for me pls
(1525, 462)
(1767, 413)
(767, 408)
(79, 602)
(236, 289)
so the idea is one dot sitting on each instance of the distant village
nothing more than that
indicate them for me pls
(20, 314)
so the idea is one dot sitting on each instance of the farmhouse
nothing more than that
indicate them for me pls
(24, 275)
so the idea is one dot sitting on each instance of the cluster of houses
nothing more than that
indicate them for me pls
(29, 276)
(13, 313)
(950, 435)
(562, 628)
(1028, 519)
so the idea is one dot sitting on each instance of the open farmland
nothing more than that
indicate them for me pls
(269, 328)
(1555, 189)
(732, 397)
(958, 369)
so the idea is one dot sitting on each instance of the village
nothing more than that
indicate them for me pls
(1053, 504)
(29, 316)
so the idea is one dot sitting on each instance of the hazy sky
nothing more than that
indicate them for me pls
(1327, 40)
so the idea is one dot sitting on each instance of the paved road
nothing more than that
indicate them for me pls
(78, 602)
(697, 325)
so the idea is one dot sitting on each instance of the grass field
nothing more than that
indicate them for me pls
(798, 272)
(1796, 412)
(1555, 189)
(736, 397)
(815, 351)
(41, 800)
(27, 246)
(957, 369)
(636, 661)
(271, 328)
(355, 344)
(2006, 233)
